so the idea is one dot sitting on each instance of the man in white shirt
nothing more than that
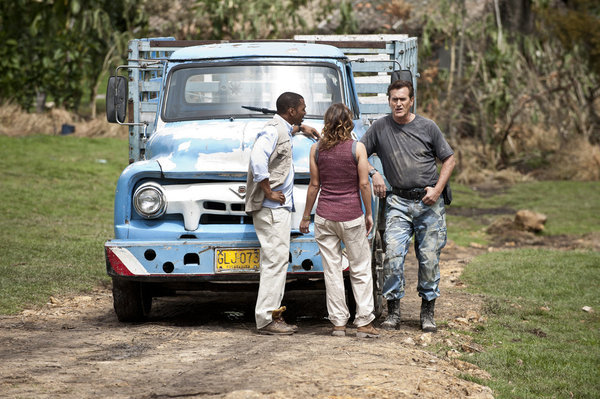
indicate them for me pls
(270, 202)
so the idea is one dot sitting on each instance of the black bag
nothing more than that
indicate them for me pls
(447, 194)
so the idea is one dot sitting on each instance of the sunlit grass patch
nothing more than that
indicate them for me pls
(538, 340)
(571, 207)
(56, 212)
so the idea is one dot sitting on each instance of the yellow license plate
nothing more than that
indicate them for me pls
(237, 260)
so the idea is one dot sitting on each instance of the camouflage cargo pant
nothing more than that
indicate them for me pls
(405, 218)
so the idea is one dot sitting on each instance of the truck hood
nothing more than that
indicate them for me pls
(216, 147)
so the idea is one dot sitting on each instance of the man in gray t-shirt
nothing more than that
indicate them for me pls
(408, 146)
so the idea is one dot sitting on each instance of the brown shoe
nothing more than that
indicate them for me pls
(367, 331)
(276, 327)
(338, 331)
(277, 316)
(282, 322)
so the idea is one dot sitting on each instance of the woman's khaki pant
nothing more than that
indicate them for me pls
(353, 234)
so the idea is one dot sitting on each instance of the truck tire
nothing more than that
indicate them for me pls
(377, 268)
(132, 302)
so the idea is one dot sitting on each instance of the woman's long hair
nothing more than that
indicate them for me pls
(338, 126)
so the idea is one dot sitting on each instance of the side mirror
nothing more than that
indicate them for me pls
(402, 75)
(116, 99)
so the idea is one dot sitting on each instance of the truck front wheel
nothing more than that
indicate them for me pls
(131, 300)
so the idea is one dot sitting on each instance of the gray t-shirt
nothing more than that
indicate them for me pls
(407, 151)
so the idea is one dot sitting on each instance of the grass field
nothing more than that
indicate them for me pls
(538, 341)
(56, 212)
(572, 208)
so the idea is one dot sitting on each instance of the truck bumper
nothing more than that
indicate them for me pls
(191, 260)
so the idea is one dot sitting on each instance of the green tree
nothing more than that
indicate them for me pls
(348, 23)
(109, 27)
(515, 75)
(575, 24)
(19, 51)
(255, 19)
(57, 48)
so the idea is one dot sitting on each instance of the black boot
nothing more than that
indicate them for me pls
(392, 321)
(427, 311)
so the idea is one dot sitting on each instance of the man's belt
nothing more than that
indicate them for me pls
(414, 194)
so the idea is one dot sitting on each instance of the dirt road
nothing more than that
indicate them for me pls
(207, 347)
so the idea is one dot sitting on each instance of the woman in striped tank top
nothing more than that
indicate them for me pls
(339, 170)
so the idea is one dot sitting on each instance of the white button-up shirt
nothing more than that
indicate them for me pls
(264, 146)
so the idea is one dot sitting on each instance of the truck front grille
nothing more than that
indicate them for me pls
(207, 203)
(224, 219)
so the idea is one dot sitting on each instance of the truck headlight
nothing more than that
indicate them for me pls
(149, 200)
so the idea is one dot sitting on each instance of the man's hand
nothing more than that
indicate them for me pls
(379, 185)
(309, 132)
(272, 195)
(304, 224)
(276, 196)
(368, 223)
(431, 196)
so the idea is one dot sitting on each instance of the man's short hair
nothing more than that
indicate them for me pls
(398, 84)
(288, 100)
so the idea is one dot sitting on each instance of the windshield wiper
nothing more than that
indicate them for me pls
(257, 109)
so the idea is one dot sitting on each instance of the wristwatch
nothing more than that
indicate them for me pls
(372, 172)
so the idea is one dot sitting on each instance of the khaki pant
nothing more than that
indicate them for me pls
(353, 233)
(272, 227)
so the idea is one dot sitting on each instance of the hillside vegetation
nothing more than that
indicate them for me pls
(514, 84)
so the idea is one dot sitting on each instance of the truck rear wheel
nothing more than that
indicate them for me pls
(131, 300)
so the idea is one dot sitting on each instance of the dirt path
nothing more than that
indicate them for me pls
(194, 347)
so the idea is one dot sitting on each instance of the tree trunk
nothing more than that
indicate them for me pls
(40, 101)
(498, 24)
(93, 101)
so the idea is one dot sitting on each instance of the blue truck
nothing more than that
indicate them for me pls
(193, 110)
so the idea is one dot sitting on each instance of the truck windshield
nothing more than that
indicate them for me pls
(220, 91)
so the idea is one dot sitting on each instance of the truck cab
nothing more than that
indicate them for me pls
(194, 112)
